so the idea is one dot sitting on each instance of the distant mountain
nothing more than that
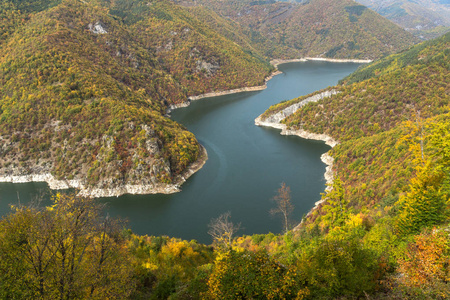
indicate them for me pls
(84, 86)
(423, 18)
(319, 28)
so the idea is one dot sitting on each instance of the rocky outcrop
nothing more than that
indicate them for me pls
(178, 105)
(274, 120)
(97, 28)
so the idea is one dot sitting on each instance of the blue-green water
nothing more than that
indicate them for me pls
(245, 168)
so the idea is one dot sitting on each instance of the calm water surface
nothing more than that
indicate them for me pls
(245, 168)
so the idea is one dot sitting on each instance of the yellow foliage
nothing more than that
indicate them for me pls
(354, 220)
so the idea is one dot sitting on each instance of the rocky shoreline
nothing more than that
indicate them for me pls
(274, 120)
(235, 91)
(87, 191)
(277, 62)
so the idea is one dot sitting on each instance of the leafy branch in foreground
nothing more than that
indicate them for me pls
(66, 251)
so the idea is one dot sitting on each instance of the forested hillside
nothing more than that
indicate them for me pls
(85, 85)
(372, 107)
(316, 28)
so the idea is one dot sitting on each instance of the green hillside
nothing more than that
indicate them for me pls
(316, 28)
(84, 87)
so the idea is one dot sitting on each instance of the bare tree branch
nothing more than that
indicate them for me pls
(283, 205)
(222, 230)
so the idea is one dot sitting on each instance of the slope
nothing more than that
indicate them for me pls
(318, 28)
(84, 90)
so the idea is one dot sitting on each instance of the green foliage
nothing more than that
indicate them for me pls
(355, 9)
(335, 268)
(418, 54)
(168, 267)
(248, 275)
(335, 207)
(426, 203)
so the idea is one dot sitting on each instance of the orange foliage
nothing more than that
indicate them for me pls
(427, 260)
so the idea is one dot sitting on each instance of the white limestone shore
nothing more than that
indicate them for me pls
(277, 62)
(88, 191)
(235, 91)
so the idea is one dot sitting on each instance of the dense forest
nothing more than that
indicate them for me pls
(315, 28)
(391, 187)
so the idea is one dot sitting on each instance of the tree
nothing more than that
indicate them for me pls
(424, 266)
(335, 267)
(425, 203)
(66, 251)
(283, 205)
(429, 191)
(334, 205)
(254, 275)
(222, 230)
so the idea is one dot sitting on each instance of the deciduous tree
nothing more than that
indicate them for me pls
(283, 205)
(222, 230)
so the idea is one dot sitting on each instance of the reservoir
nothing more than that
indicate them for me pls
(245, 168)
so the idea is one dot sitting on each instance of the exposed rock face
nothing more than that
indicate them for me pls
(278, 117)
(97, 28)
(207, 67)
(275, 119)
